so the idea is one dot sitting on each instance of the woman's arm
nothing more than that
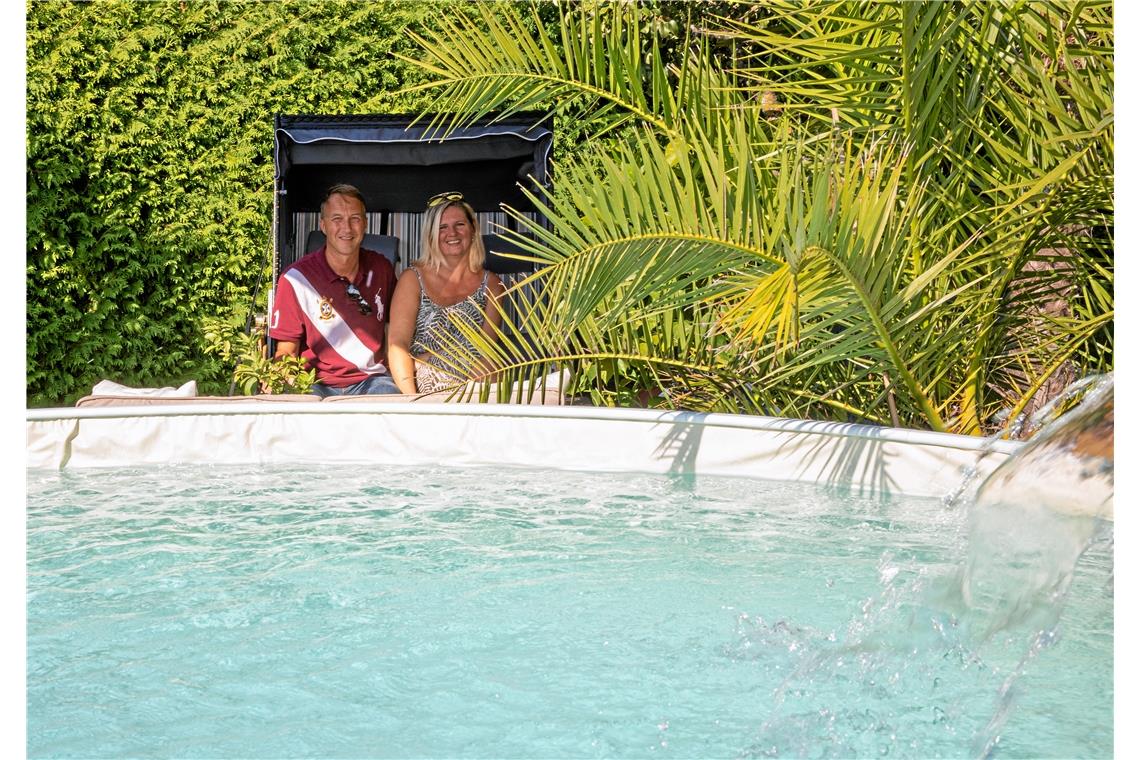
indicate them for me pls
(491, 324)
(494, 318)
(401, 330)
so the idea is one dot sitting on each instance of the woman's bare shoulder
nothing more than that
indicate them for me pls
(407, 280)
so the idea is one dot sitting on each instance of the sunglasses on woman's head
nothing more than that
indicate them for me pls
(441, 198)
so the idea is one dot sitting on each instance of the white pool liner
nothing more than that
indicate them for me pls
(860, 458)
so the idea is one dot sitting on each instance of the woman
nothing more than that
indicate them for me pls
(448, 283)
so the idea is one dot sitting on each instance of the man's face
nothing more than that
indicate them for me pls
(343, 222)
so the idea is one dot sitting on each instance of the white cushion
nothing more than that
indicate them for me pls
(551, 389)
(188, 389)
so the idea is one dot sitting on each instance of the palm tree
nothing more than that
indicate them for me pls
(837, 210)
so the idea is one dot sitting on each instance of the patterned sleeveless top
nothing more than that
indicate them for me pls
(433, 320)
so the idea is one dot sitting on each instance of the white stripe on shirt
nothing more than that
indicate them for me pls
(336, 331)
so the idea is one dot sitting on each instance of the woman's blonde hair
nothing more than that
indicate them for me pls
(429, 253)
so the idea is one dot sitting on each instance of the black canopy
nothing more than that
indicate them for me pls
(398, 166)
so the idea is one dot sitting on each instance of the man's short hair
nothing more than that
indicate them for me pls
(343, 189)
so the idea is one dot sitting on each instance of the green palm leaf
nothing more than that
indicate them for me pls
(715, 257)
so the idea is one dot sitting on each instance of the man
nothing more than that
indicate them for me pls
(331, 306)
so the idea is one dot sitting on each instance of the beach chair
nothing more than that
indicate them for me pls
(398, 162)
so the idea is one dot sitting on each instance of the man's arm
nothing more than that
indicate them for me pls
(287, 348)
(287, 312)
(286, 318)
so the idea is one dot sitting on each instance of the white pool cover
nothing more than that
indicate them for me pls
(859, 457)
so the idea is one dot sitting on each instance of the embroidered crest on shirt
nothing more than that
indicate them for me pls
(379, 304)
(326, 308)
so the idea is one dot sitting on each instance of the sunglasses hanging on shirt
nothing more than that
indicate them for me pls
(354, 293)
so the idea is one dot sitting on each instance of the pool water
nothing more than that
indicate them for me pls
(210, 611)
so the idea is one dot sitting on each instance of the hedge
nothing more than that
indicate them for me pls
(149, 169)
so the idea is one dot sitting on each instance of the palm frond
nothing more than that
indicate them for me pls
(936, 171)
(498, 61)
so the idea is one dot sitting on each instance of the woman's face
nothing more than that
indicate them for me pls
(455, 233)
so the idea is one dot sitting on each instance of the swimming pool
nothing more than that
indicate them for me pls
(214, 610)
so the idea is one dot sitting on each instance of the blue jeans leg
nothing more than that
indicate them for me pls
(374, 384)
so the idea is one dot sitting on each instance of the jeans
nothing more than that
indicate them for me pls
(373, 384)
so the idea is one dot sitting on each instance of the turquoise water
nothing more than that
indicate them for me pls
(205, 611)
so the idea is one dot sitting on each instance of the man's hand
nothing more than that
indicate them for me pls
(284, 348)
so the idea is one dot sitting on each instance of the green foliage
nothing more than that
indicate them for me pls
(256, 373)
(892, 211)
(253, 371)
(829, 209)
(149, 169)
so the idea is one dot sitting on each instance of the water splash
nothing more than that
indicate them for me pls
(1087, 393)
(1028, 526)
(1034, 517)
(950, 631)
(1068, 463)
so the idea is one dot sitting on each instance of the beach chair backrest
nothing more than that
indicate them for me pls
(387, 245)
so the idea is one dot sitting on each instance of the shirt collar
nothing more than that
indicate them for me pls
(327, 270)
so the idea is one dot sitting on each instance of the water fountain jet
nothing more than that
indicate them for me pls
(1038, 512)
